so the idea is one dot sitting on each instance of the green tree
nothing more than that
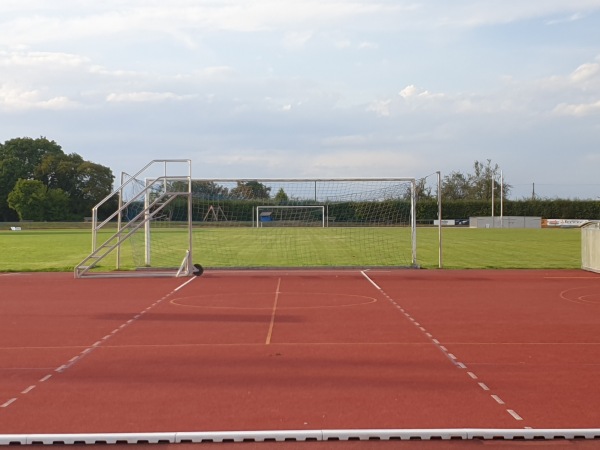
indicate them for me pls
(281, 197)
(475, 186)
(456, 186)
(18, 159)
(83, 182)
(9, 167)
(485, 182)
(251, 189)
(422, 190)
(208, 189)
(34, 201)
(56, 206)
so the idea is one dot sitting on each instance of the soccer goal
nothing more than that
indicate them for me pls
(290, 216)
(304, 223)
(170, 223)
(590, 247)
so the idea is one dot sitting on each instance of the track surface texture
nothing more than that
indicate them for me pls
(302, 350)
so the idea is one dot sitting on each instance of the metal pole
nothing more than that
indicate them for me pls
(413, 212)
(147, 238)
(190, 221)
(501, 200)
(120, 221)
(439, 199)
(493, 220)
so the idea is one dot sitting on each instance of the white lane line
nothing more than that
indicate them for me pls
(273, 311)
(185, 284)
(514, 414)
(8, 403)
(498, 399)
(451, 356)
(370, 281)
(74, 359)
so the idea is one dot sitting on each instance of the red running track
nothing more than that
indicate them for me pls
(300, 351)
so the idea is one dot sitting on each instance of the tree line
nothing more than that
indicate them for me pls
(39, 181)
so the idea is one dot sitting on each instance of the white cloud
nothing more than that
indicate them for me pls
(144, 97)
(366, 162)
(367, 46)
(408, 91)
(16, 99)
(578, 110)
(306, 86)
(473, 13)
(296, 39)
(48, 60)
(380, 107)
(179, 19)
(570, 18)
(585, 72)
(31, 22)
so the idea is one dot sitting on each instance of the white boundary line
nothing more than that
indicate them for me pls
(75, 359)
(301, 435)
(451, 357)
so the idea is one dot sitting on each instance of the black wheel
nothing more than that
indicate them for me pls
(198, 270)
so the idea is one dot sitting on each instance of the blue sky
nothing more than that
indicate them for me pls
(327, 88)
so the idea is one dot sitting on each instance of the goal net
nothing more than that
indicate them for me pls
(279, 223)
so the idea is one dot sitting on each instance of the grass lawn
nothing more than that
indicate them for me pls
(462, 248)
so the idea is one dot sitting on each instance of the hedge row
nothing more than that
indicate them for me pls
(548, 209)
(395, 211)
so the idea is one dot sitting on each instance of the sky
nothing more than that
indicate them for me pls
(313, 88)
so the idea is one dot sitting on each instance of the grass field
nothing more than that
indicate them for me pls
(462, 248)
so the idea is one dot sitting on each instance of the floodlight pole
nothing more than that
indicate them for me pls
(493, 183)
(501, 200)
